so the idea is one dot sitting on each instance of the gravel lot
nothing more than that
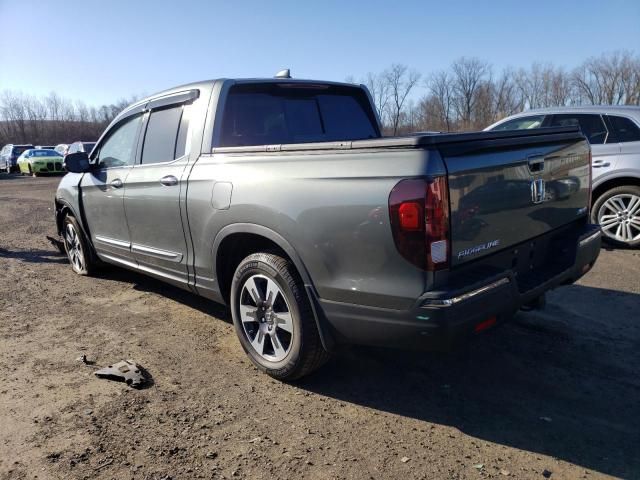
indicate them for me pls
(553, 394)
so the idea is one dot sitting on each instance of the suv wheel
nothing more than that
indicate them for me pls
(76, 246)
(618, 213)
(273, 318)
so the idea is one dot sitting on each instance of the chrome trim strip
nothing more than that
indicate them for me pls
(447, 302)
(156, 252)
(590, 238)
(113, 242)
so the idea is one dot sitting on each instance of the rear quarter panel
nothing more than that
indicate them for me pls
(332, 208)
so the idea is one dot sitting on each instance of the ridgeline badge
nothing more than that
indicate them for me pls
(478, 248)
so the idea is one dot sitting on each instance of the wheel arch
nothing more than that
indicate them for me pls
(614, 182)
(63, 208)
(235, 242)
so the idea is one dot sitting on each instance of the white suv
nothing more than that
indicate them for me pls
(614, 134)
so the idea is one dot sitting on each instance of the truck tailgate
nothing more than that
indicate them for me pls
(504, 192)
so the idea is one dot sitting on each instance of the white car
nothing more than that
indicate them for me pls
(614, 135)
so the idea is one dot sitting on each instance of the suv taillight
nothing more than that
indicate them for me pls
(419, 213)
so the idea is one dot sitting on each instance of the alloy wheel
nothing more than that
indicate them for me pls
(619, 217)
(266, 318)
(74, 248)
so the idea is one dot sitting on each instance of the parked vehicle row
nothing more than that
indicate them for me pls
(9, 156)
(35, 160)
(280, 198)
(614, 135)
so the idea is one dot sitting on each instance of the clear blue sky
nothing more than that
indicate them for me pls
(103, 50)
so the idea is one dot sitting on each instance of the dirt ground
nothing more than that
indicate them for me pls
(555, 393)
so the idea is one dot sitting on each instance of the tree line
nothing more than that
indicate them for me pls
(52, 119)
(469, 95)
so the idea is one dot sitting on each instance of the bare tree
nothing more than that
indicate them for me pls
(468, 76)
(380, 93)
(441, 100)
(610, 79)
(401, 81)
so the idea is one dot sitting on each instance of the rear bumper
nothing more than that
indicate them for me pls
(439, 319)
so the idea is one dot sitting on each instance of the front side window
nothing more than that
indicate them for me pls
(591, 125)
(161, 136)
(119, 150)
(522, 123)
(624, 130)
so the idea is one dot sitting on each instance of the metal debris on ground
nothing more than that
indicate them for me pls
(126, 371)
(59, 244)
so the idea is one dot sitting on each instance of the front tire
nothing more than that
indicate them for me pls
(618, 213)
(77, 247)
(273, 317)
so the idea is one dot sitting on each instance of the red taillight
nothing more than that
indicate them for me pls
(409, 213)
(419, 213)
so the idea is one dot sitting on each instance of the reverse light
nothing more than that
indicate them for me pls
(419, 213)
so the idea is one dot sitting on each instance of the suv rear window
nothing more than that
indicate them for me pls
(267, 114)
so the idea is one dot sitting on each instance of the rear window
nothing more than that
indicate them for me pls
(19, 150)
(624, 130)
(280, 114)
(44, 153)
(88, 147)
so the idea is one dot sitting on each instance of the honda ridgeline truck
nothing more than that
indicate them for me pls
(281, 199)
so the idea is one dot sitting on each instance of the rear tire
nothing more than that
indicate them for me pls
(78, 250)
(618, 213)
(273, 318)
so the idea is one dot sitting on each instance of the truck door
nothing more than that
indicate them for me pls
(102, 189)
(155, 189)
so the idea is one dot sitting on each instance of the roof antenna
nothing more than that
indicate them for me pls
(286, 73)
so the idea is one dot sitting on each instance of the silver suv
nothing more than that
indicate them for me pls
(614, 134)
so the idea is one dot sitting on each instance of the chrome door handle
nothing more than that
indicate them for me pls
(169, 180)
(600, 163)
(116, 183)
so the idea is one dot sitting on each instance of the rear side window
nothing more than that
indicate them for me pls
(624, 130)
(523, 123)
(591, 126)
(161, 136)
(281, 114)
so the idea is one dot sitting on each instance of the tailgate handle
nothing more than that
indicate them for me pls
(536, 163)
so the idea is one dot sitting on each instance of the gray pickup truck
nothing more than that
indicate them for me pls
(281, 199)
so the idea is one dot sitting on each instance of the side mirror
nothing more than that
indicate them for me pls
(77, 162)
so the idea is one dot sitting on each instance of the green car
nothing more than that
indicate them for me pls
(36, 161)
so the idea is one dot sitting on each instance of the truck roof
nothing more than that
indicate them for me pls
(624, 109)
(196, 85)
